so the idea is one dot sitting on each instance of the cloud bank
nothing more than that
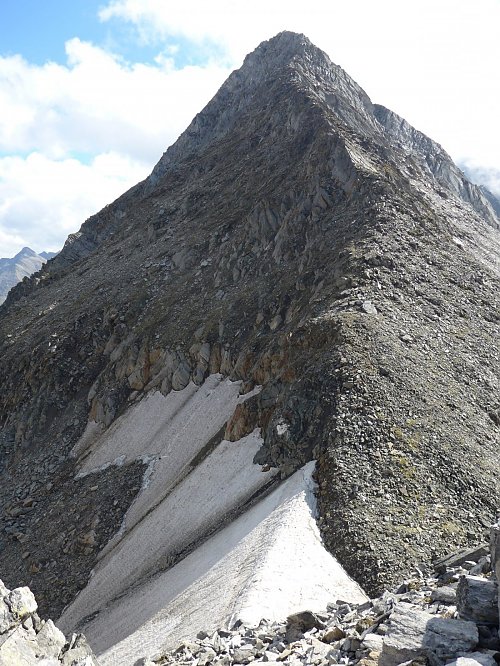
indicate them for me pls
(75, 136)
(42, 199)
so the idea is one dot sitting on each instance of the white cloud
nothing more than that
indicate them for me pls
(75, 136)
(96, 103)
(484, 175)
(42, 200)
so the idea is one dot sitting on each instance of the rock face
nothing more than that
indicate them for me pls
(25, 263)
(439, 163)
(298, 238)
(27, 640)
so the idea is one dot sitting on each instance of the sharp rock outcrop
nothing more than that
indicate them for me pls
(27, 640)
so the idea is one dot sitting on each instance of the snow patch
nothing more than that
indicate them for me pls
(282, 427)
(215, 490)
(117, 462)
(207, 539)
(268, 563)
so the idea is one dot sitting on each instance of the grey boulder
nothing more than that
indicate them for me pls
(477, 600)
(415, 633)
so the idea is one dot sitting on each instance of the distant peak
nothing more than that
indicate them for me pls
(26, 252)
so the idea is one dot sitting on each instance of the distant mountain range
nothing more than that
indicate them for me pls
(25, 263)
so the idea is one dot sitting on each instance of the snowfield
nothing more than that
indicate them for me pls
(246, 546)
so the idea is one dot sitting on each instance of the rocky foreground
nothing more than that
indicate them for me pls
(25, 639)
(450, 617)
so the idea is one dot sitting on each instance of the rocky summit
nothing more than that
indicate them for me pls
(303, 277)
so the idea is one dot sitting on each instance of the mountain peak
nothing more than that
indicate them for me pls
(285, 52)
(283, 47)
(14, 269)
(26, 252)
(286, 40)
(286, 60)
(306, 280)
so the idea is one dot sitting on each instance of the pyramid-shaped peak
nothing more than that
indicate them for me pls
(288, 59)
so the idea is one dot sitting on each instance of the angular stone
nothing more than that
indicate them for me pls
(320, 650)
(413, 633)
(369, 308)
(351, 644)
(305, 620)
(243, 655)
(372, 659)
(269, 656)
(181, 376)
(7, 620)
(474, 659)
(18, 649)
(299, 623)
(488, 637)
(445, 595)
(495, 544)
(50, 640)
(483, 566)
(79, 656)
(206, 656)
(373, 642)
(495, 553)
(477, 600)
(333, 634)
(457, 559)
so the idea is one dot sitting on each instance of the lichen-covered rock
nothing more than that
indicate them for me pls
(21, 602)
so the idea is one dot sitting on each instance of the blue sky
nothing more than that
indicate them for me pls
(38, 29)
(93, 91)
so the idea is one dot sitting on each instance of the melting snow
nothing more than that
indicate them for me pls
(268, 563)
(252, 560)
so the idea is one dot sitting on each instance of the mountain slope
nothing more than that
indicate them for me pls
(295, 238)
(13, 270)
